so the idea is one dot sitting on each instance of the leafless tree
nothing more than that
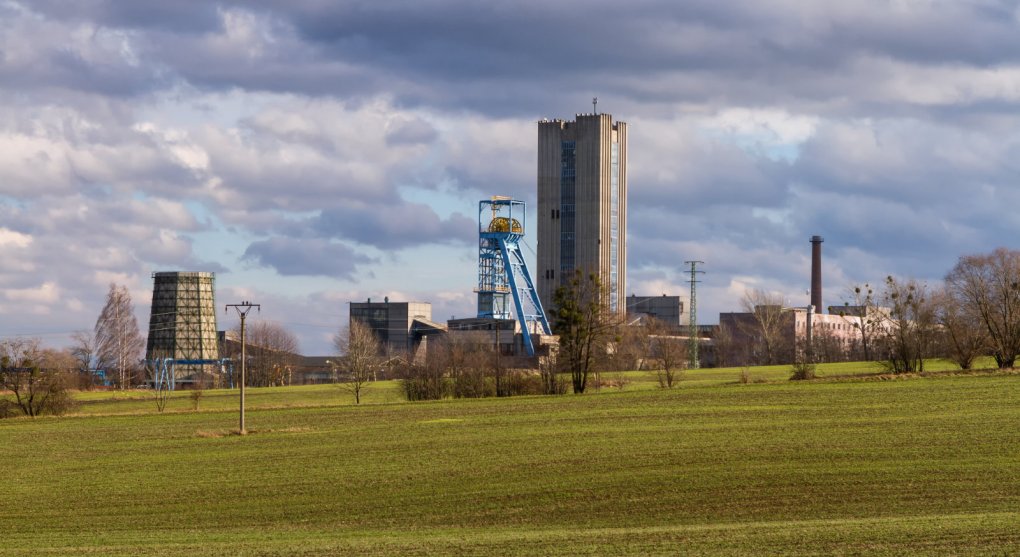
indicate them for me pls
(667, 351)
(118, 343)
(988, 287)
(633, 346)
(360, 356)
(965, 338)
(826, 346)
(37, 377)
(910, 329)
(768, 327)
(271, 350)
(724, 348)
(470, 362)
(549, 375)
(864, 315)
(424, 380)
(585, 324)
(84, 351)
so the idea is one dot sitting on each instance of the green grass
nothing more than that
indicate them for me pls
(143, 401)
(920, 466)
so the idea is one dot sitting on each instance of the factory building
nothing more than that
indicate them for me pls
(582, 204)
(504, 334)
(399, 326)
(795, 330)
(667, 309)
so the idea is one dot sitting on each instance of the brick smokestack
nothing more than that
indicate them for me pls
(816, 273)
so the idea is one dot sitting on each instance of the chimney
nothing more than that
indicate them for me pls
(816, 273)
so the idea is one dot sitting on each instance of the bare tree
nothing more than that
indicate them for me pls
(271, 351)
(768, 326)
(723, 348)
(910, 330)
(988, 287)
(549, 375)
(37, 377)
(964, 336)
(470, 361)
(864, 315)
(633, 347)
(826, 346)
(423, 381)
(585, 324)
(360, 356)
(668, 351)
(84, 351)
(118, 343)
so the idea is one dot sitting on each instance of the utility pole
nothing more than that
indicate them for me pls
(692, 334)
(242, 310)
(120, 339)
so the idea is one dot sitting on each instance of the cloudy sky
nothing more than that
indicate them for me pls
(312, 153)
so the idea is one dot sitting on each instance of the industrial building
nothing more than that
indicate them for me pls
(182, 323)
(399, 326)
(582, 204)
(798, 328)
(667, 309)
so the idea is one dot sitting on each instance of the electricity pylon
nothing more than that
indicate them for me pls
(692, 311)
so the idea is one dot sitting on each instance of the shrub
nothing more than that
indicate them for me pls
(803, 371)
(423, 382)
(196, 399)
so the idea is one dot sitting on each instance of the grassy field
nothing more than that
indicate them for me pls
(143, 401)
(915, 466)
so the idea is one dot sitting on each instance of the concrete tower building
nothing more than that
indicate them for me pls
(582, 204)
(182, 324)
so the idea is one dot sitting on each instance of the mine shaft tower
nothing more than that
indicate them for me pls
(502, 272)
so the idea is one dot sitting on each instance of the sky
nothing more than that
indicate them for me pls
(314, 153)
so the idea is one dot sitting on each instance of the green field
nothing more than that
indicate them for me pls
(924, 465)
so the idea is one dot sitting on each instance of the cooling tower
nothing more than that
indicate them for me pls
(182, 324)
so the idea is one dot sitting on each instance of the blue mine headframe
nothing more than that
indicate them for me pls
(502, 271)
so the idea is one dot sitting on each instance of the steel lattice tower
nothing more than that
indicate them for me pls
(503, 274)
(692, 335)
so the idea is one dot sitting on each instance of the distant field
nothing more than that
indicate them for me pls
(916, 466)
(142, 401)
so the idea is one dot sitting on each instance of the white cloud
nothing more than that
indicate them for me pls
(46, 293)
(10, 238)
(768, 127)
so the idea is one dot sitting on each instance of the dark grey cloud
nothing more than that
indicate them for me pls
(185, 16)
(306, 256)
(479, 55)
(395, 226)
(497, 58)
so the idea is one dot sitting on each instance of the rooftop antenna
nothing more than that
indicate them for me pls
(692, 335)
(594, 105)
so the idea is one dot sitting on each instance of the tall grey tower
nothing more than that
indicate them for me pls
(182, 324)
(582, 204)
